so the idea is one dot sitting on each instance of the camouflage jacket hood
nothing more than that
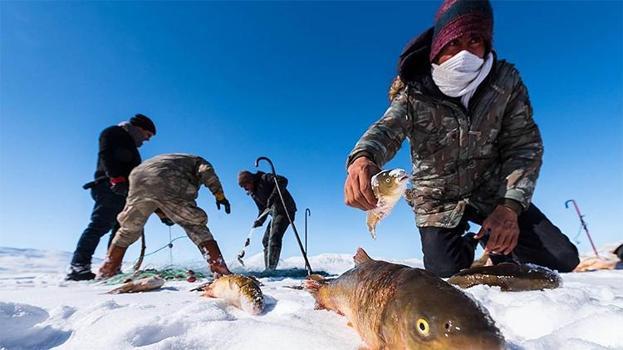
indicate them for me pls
(477, 156)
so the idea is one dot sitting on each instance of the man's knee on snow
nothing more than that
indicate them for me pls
(443, 269)
(567, 261)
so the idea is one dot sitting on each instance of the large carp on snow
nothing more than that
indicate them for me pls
(394, 306)
(388, 187)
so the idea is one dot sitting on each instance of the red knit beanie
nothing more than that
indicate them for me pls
(458, 17)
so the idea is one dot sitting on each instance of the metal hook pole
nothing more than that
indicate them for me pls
(577, 210)
(307, 213)
(296, 233)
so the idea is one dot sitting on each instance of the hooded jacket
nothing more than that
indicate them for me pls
(475, 156)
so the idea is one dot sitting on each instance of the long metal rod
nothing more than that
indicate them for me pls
(307, 213)
(577, 210)
(296, 233)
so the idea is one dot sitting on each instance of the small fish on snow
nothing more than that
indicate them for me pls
(240, 291)
(141, 285)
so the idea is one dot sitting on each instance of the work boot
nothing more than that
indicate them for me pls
(212, 254)
(112, 264)
(80, 273)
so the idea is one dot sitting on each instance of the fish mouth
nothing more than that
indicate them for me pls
(404, 178)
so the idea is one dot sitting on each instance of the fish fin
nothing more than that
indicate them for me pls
(208, 293)
(361, 256)
(207, 290)
(371, 221)
(314, 286)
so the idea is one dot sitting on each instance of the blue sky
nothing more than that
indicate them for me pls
(298, 82)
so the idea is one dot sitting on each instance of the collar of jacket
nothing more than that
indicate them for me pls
(134, 132)
(414, 69)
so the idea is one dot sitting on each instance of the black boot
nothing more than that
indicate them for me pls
(80, 273)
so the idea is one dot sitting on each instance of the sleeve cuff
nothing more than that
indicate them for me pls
(517, 196)
(358, 154)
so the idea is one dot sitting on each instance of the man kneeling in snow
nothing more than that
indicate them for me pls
(168, 185)
(475, 148)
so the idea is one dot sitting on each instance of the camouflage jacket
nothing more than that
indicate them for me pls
(476, 156)
(172, 177)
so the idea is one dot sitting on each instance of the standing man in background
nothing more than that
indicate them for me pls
(118, 155)
(261, 187)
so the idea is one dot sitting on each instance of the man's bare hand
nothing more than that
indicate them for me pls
(504, 230)
(357, 189)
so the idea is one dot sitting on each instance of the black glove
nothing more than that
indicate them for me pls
(257, 223)
(224, 202)
(120, 188)
(165, 220)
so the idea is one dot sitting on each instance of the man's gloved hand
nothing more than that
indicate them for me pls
(220, 199)
(257, 223)
(119, 185)
(165, 220)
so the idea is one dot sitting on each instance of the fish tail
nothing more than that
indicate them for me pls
(372, 220)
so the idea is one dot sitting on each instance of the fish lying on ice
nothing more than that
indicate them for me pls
(394, 306)
(240, 291)
(509, 277)
(388, 186)
(141, 285)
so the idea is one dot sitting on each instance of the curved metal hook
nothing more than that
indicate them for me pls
(307, 212)
(567, 203)
(272, 167)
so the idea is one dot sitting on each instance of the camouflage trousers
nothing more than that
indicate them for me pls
(184, 213)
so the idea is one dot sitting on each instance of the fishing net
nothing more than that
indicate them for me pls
(167, 273)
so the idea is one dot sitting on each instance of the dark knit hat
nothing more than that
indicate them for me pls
(458, 17)
(143, 122)
(245, 177)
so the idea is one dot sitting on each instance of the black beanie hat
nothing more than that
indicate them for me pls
(143, 122)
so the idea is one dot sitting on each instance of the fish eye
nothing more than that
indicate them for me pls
(387, 180)
(423, 327)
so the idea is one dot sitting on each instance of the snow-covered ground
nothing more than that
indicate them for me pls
(38, 310)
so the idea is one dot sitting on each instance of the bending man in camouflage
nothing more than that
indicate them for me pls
(168, 185)
(475, 148)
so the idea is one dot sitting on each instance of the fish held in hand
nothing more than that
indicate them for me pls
(388, 186)
(240, 291)
(509, 277)
(141, 285)
(394, 306)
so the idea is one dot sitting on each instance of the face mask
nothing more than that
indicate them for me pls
(460, 75)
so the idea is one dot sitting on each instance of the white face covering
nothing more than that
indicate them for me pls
(460, 75)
